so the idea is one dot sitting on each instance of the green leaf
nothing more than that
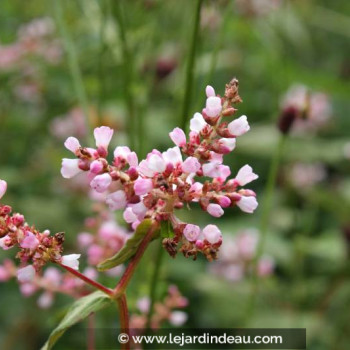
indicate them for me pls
(129, 248)
(80, 309)
(166, 230)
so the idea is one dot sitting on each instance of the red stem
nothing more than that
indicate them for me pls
(124, 319)
(89, 281)
(91, 332)
(129, 271)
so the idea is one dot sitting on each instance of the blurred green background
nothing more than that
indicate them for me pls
(269, 46)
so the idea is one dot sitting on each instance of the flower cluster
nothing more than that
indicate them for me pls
(33, 39)
(49, 283)
(35, 43)
(104, 239)
(237, 255)
(35, 248)
(157, 186)
(304, 111)
(163, 311)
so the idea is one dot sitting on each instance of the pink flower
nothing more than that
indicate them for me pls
(209, 90)
(100, 183)
(103, 136)
(212, 234)
(191, 165)
(85, 239)
(156, 163)
(139, 209)
(178, 318)
(247, 204)
(197, 123)
(239, 126)
(3, 188)
(72, 144)
(95, 254)
(245, 175)
(216, 170)
(45, 300)
(124, 152)
(224, 201)
(96, 167)
(172, 156)
(178, 137)
(265, 266)
(143, 186)
(71, 260)
(143, 304)
(116, 200)
(213, 106)
(26, 274)
(226, 145)
(5, 242)
(30, 241)
(192, 232)
(129, 216)
(215, 210)
(70, 168)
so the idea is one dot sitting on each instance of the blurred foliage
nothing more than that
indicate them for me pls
(301, 41)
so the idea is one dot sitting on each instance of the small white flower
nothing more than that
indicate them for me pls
(71, 260)
(245, 175)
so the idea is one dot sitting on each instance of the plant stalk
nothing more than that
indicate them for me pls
(191, 65)
(127, 72)
(264, 220)
(124, 319)
(154, 283)
(73, 61)
(89, 281)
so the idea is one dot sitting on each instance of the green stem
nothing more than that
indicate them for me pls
(265, 218)
(154, 282)
(101, 72)
(72, 60)
(127, 72)
(191, 65)
(217, 48)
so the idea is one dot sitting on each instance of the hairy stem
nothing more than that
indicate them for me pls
(154, 282)
(89, 281)
(191, 65)
(127, 71)
(124, 319)
(72, 60)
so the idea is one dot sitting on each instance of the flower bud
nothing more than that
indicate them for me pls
(96, 167)
(3, 188)
(178, 137)
(212, 234)
(215, 210)
(191, 232)
(100, 183)
(239, 126)
(247, 204)
(286, 119)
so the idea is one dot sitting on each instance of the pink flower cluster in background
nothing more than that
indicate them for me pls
(237, 255)
(165, 311)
